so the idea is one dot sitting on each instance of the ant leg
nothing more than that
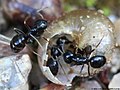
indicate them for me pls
(62, 69)
(36, 40)
(45, 39)
(33, 51)
(25, 22)
(81, 68)
(38, 12)
(61, 64)
(88, 69)
(18, 31)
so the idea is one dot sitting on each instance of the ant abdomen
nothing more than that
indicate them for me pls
(97, 61)
(18, 43)
(53, 65)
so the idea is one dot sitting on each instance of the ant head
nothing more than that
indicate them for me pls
(41, 24)
(62, 40)
(97, 61)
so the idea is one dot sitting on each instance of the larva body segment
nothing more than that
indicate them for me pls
(83, 28)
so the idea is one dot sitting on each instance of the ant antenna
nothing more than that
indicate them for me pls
(92, 54)
(39, 10)
(18, 31)
(33, 51)
(25, 22)
(96, 47)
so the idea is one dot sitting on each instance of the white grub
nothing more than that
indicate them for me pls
(93, 32)
(14, 71)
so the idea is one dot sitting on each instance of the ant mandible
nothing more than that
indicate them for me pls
(19, 41)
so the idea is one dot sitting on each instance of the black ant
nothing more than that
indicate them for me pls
(76, 59)
(83, 57)
(56, 51)
(19, 41)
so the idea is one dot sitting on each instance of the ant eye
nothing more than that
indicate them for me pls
(97, 61)
(41, 24)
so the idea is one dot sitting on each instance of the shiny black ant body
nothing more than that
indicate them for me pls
(19, 41)
(56, 51)
(82, 57)
(95, 61)
(53, 65)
